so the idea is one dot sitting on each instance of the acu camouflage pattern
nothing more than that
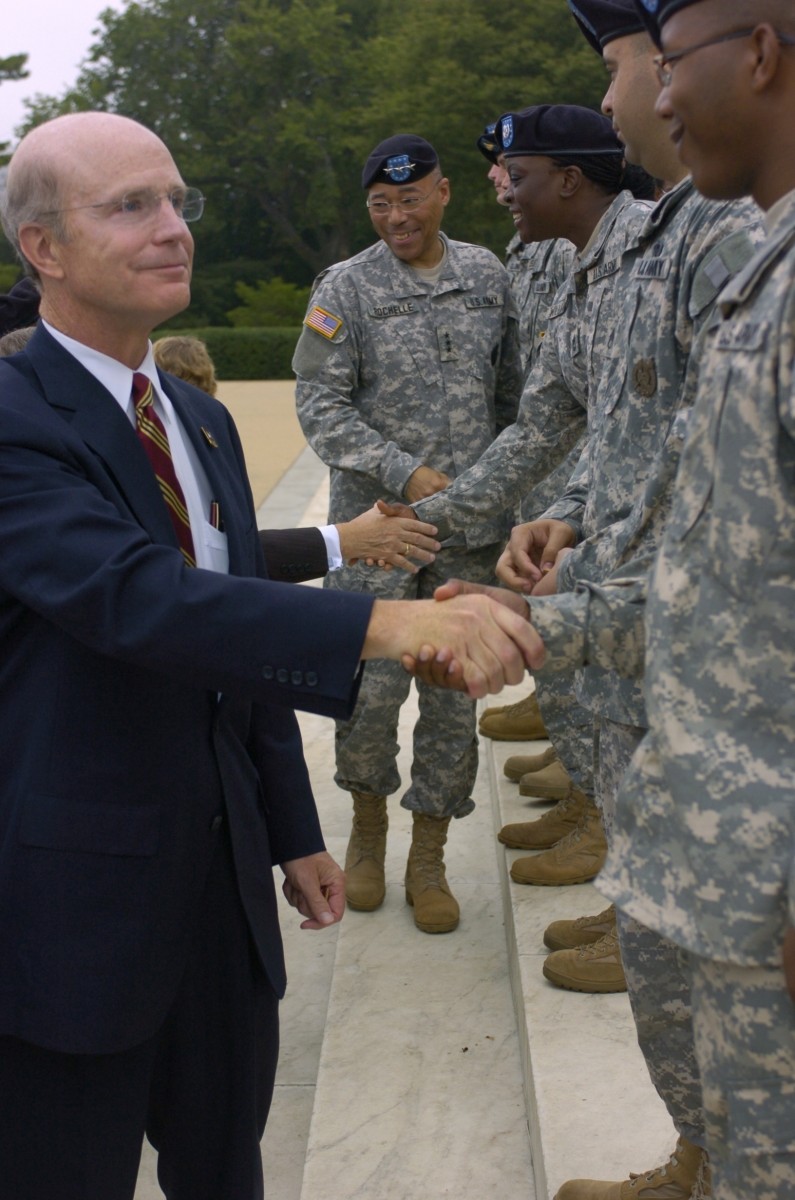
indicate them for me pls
(619, 497)
(705, 828)
(719, 1042)
(445, 745)
(417, 375)
(536, 271)
(553, 411)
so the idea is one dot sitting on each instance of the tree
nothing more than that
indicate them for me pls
(271, 107)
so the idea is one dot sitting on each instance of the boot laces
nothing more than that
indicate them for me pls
(607, 944)
(369, 826)
(669, 1189)
(426, 858)
(602, 918)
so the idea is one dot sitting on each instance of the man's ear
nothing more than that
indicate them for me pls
(41, 248)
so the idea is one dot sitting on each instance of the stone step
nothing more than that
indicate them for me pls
(419, 1088)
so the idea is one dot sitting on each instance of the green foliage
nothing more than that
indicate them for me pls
(245, 353)
(13, 68)
(270, 302)
(9, 275)
(271, 107)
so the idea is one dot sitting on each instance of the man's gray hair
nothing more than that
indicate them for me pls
(32, 195)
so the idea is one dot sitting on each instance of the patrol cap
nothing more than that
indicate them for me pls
(602, 21)
(487, 144)
(556, 130)
(404, 158)
(655, 13)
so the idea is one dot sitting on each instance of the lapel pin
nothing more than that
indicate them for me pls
(208, 437)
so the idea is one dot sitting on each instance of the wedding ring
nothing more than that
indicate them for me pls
(406, 551)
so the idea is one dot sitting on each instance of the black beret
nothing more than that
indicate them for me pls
(556, 130)
(487, 144)
(654, 14)
(404, 158)
(602, 21)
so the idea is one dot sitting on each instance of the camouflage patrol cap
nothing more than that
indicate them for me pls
(556, 130)
(487, 144)
(603, 21)
(404, 158)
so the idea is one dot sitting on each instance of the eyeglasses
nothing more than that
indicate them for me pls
(665, 63)
(138, 207)
(409, 204)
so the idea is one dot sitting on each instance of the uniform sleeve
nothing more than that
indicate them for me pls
(549, 422)
(326, 366)
(570, 505)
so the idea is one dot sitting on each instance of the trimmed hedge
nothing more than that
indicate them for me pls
(245, 353)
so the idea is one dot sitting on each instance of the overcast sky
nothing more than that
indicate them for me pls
(56, 35)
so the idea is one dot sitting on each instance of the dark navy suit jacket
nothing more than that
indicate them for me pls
(118, 757)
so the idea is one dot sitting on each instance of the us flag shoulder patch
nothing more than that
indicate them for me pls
(323, 321)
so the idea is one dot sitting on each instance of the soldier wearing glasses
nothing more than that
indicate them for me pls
(407, 368)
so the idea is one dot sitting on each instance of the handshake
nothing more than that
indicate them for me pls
(471, 638)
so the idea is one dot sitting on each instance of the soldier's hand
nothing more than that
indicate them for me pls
(388, 540)
(548, 584)
(531, 552)
(425, 482)
(436, 667)
(465, 587)
(440, 668)
(789, 961)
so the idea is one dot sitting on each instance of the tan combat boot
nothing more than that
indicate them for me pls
(549, 783)
(365, 886)
(578, 857)
(435, 906)
(522, 764)
(514, 722)
(549, 829)
(584, 931)
(594, 968)
(684, 1177)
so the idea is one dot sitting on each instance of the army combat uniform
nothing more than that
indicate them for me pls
(598, 623)
(553, 417)
(705, 824)
(394, 373)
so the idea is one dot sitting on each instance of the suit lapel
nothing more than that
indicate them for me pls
(99, 421)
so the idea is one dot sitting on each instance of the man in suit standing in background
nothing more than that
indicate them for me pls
(147, 675)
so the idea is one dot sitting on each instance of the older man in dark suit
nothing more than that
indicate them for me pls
(152, 763)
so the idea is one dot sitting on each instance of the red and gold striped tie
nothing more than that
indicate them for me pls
(155, 443)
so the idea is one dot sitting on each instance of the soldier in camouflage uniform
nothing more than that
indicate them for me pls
(537, 270)
(407, 368)
(553, 412)
(702, 864)
(688, 249)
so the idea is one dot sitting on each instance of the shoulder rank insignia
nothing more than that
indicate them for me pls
(323, 321)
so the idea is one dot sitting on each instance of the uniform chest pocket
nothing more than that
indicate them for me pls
(613, 353)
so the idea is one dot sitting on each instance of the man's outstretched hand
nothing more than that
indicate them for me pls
(441, 667)
(491, 644)
(388, 536)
